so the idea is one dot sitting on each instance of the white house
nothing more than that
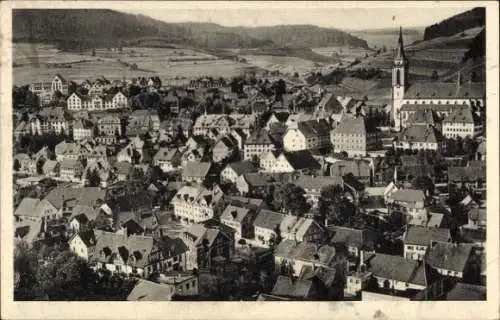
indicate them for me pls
(194, 204)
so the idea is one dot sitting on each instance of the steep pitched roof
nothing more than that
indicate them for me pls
(234, 213)
(146, 290)
(268, 219)
(449, 256)
(460, 115)
(301, 159)
(196, 169)
(350, 125)
(420, 133)
(466, 292)
(299, 289)
(27, 207)
(242, 167)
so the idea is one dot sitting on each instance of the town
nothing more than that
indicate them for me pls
(260, 187)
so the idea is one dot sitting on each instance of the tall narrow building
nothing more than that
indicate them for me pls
(399, 81)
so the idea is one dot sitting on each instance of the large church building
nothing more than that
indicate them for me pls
(441, 98)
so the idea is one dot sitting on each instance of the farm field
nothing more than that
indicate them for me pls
(345, 54)
(283, 64)
(35, 62)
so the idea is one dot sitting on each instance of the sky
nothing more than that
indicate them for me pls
(323, 14)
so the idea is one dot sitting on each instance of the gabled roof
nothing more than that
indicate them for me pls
(171, 246)
(346, 236)
(27, 207)
(298, 289)
(466, 292)
(196, 169)
(268, 219)
(308, 182)
(234, 213)
(419, 133)
(242, 167)
(466, 173)
(301, 159)
(330, 103)
(423, 236)
(449, 256)
(460, 115)
(398, 268)
(88, 237)
(260, 137)
(314, 128)
(350, 125)
(305, 251)
(151, 291)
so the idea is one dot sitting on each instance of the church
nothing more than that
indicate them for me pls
(440, 98)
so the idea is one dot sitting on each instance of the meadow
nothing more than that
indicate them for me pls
(35, 62)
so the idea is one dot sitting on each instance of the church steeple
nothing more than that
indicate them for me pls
(399, 81)
(400, 52)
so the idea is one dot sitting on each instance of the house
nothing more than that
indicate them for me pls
(466, 292)
(235, 169)
(26, 210)
(355, 137)
(240, 219)
(70, 170)
(167, 159)
(474, 177)
(410, 201)
(481, 151)
(194, 204)
(185, 284)
(224, 148)
(276, 117)
(115, 101)
(49, 120)
(450, 259)
(397, 273)
(477, 219)
(142, 121)
(109, 125)
(299, 289)
(79, 222)
(258, 144)
(223, 123)
(313, 185)
(462, 122)
(50, 168)
(254, 183)
(300, 161)
(351, 240)
(419, 137)
(167, 255)
(308, 135)
(206, 245)
(25, 164)
(120, 253)
(195, 171)
(83, 244)
(267, 227)
(417, 240)
(295, 256)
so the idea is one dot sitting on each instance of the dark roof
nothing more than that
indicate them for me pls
(171, 246)
(420, 133)
(444, 90)
(423, 236)
(268, 219)
(466, 173)
(466, 292)
(312, 128)
(330, 103)
(302, 159)
(449, 256)
(358, 167)
(88, 237)
(81, 218)
(460, 115)
(350, 236)
(259, 137)
(398, 268)
(258, 179)
(242, 167)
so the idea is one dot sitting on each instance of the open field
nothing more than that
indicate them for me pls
(282, 63)
(345, 54)
(34, 62)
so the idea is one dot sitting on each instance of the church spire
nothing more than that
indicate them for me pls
(400, 52)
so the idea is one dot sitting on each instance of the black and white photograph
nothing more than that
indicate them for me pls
(266, 154)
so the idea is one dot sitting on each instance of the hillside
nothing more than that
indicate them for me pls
(456, 24)
(84, 28)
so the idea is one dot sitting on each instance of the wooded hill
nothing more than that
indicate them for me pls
(84, 28)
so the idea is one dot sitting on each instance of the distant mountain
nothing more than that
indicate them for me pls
(83, 28)
(456, 24)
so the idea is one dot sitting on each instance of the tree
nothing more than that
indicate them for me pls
(434, 75)
(424, 183)
(136, 156)
(93, 178)
(332, 205)
(291, 199)
(17, 165)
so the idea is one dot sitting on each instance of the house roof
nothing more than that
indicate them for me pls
(258, 179)
(268, 219)
(350, 125)
(172, 246)
(301, 159)
(242, 167)
(151, 291)
(358, 168)
(444, 90)
(88, 237)
(196, 169)
(309, 182)
(299, 289)
(133, 250)
(268, 297)
(419, 133)
(195, 194)
(423, 236)
(69, 163)
(305, 251)
(478, 214)
(234, 213)
(260, 137)
(314, 128)
(408, 195)
(397, 268)
(449, 256)
(466, 292)
(422, 116)
(59, 195)
(347, 236)
(330, 103)
(466, 173)
(460, 115)
(166, 154)
(27, 207)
